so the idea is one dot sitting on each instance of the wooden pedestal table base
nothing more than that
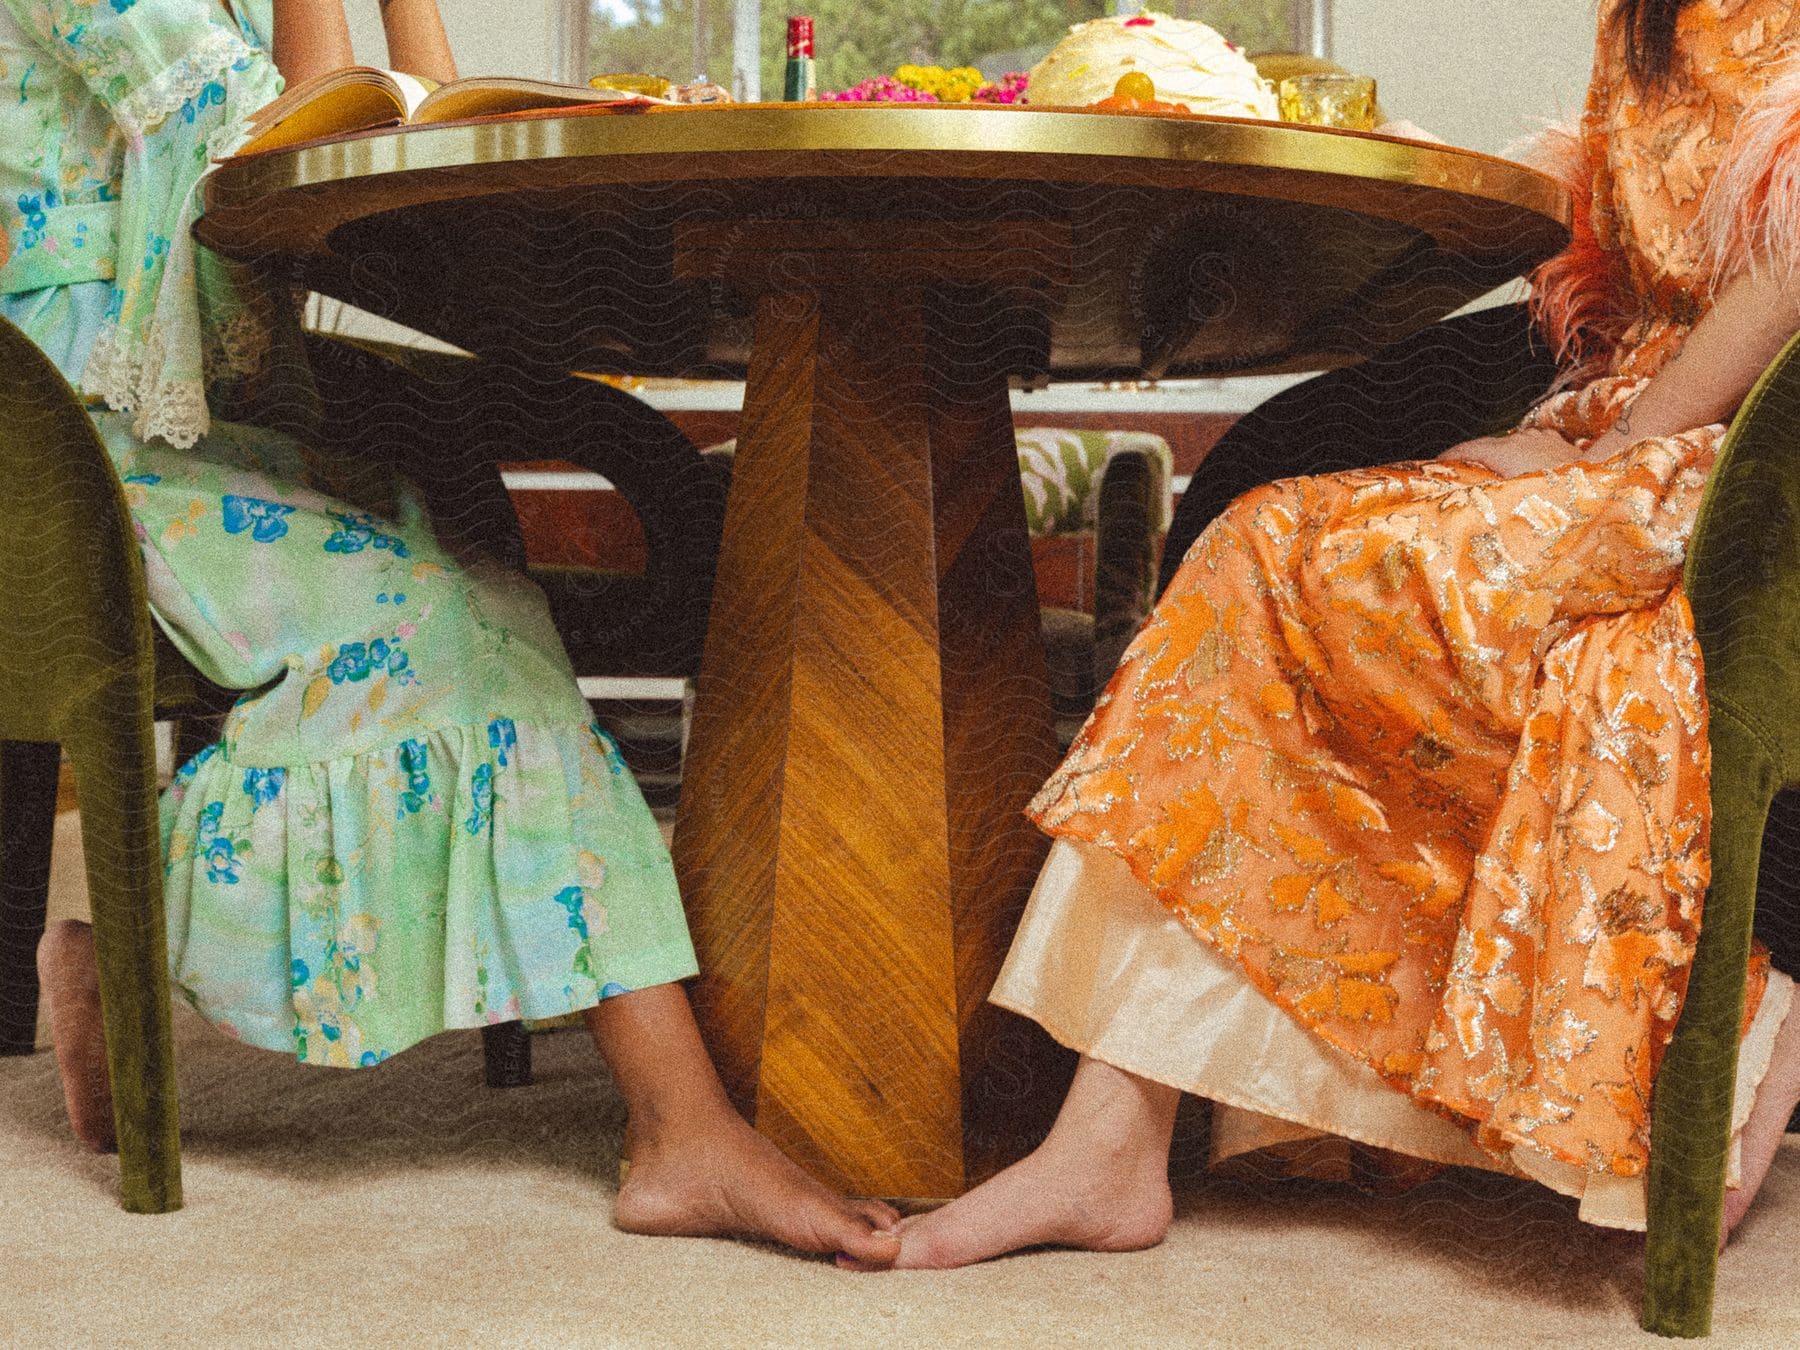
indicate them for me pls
(873, 712)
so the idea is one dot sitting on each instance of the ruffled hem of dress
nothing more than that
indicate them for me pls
(1609, 1201)
(1603, 1200)
(1171, 903)
(460, 911)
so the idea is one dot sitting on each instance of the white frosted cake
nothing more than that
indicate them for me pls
(1188, 62)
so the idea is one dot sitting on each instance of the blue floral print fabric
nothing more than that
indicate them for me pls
(411, 822)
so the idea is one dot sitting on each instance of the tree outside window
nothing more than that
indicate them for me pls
(681, 39)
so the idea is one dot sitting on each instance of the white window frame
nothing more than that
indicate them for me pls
(1311, 18)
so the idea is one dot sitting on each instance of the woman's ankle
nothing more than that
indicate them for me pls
(66, 942)
(70, 983)
(1112, 1118)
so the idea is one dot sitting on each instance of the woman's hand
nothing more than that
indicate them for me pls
(1605, 446)
(1519, 452)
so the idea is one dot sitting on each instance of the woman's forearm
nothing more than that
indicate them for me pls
(1703, 383)
(312, 38)
(416, 41)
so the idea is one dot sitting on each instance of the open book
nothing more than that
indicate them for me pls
(361, 98)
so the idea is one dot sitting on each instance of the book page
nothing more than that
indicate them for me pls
(484, 96)
(414, 90)
(363, 98)
(352, 99)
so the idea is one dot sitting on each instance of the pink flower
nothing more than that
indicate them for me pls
(887, 89)
(880, 89)
(1010, 89)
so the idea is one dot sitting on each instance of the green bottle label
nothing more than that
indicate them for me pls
(800, 87)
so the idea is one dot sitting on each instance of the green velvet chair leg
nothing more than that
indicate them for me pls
(78, 667)
(28, 771)
(114, 758)
(1742, 579)
(1691, 1126)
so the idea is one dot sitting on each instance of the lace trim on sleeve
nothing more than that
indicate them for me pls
(166, 406)
(172, 409)
(145, 108)
(184, 321)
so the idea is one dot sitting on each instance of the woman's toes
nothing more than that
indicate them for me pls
(899, 1229)
(865, 1248)
(922, 1249)
(884, 1216)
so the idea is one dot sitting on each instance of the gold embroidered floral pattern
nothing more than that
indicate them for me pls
(1424, 749)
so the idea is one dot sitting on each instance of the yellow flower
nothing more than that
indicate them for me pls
(949, 86)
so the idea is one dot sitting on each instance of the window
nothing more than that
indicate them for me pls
(742, 43)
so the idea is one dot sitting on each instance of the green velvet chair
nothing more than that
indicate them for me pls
(77, 669)
(30, 776)
(1743, 581)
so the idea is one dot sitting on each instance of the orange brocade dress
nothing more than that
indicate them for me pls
(1419, 753)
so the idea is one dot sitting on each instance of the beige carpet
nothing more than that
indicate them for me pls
(410, 1205)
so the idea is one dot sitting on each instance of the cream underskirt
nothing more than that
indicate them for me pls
(1106, 970)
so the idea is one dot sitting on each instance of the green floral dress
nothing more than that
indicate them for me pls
(411, 822)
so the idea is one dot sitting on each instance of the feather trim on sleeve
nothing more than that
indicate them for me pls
(1751, 212)
(1581, 300)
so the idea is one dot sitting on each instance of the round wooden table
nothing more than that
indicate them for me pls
(872, 708)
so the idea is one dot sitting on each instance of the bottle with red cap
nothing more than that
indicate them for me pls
(801, 85)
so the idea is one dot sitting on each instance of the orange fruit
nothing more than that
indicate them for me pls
(1135, 85)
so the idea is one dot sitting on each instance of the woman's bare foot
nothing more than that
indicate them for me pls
(1776, 1099)
(1100, 1182)
(69, 983)
(697, 1168)
(724, 1179)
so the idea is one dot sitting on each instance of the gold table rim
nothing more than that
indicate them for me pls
(740, 129)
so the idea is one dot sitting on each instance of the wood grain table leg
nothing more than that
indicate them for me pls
(872, 716)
